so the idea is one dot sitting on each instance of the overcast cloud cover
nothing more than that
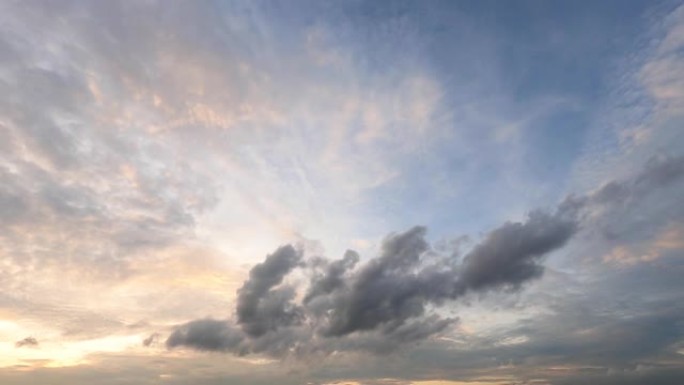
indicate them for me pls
(348, 192)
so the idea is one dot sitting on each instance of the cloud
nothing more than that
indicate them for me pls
(510, 255)
(653, 375)
(27, 342)
(659, 75)
(383, 304)
(118, 139)
(659, 172)
(607, 338)
(395, 287)
(151, 339)
(332, 278)
(259, 308)
(387, 290)
(635, 208)
(206, 334)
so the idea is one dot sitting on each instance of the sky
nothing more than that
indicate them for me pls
(342, 192)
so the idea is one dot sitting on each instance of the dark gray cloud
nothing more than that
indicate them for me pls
(510, 255)
(207, 335)
(261, 308)
(151, 339)
(333, 276)
(388, 290)
(267, 318)
(383, 304)
(395, 287)
(27, 342)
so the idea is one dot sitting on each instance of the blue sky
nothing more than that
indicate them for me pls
(351, 192)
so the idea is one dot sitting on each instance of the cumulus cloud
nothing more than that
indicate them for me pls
(261, 308)
(380, 305)
(510, 255)
(332, 279)
(388, 289)
(206, 334)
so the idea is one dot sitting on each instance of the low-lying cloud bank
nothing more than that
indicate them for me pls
(394, 299)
